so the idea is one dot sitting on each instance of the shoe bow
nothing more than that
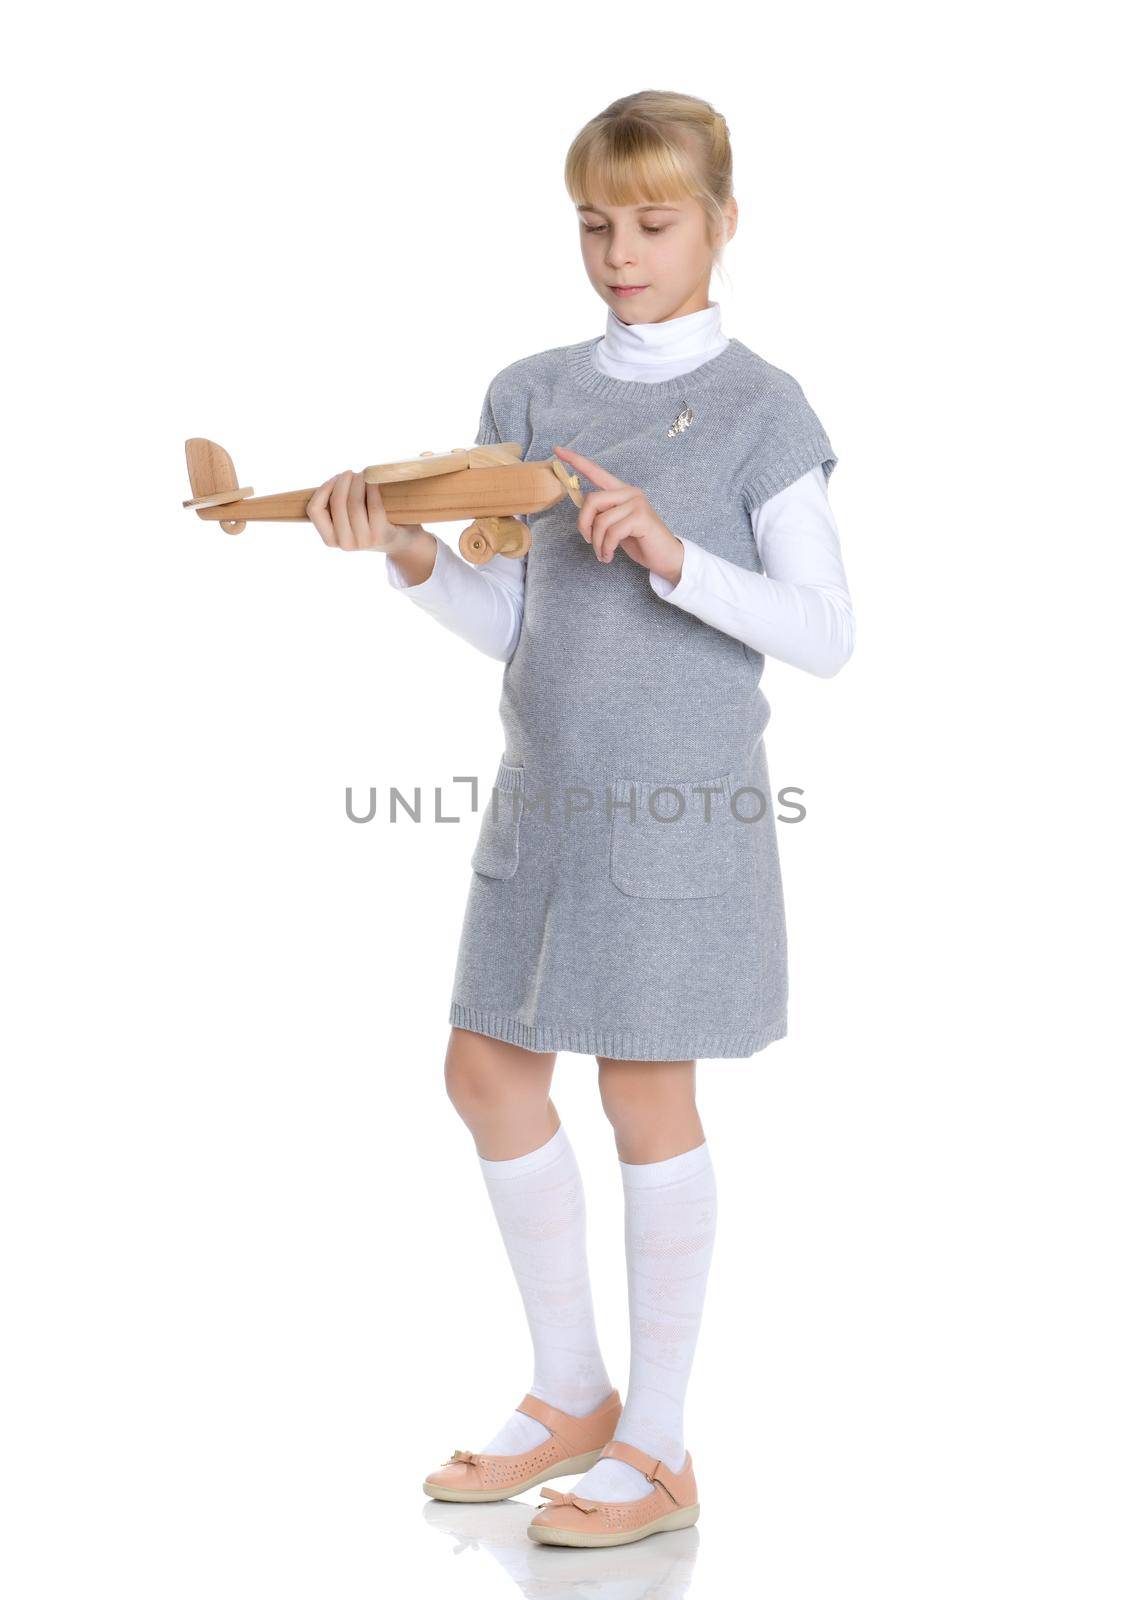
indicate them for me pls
(464, 1455)
(558, 1499)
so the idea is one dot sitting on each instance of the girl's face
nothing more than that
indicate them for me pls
(659, 250)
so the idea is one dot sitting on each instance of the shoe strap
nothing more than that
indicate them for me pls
(647, 1465)
(568, 1431)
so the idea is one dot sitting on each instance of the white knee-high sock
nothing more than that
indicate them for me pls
(538, 1200)
(670, 1210)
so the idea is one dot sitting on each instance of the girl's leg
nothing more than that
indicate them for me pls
(670, 1206)
(502, 1093)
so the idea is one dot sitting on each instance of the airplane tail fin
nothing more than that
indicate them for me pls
(213, 478)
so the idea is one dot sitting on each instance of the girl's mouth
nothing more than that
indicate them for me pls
(625, 289)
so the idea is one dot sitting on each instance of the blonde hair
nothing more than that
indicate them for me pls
(654, 145)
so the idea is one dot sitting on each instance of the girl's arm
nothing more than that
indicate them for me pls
(482, 604)
(797, 608)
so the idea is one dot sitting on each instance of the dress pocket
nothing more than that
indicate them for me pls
(497, 852)
(689, 856)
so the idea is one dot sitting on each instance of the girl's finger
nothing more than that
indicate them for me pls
(317, 510)
(600, 475)
(375, 511)
(339, 509)
(358, 516)
(604, 536)
(603, 520)
(599, 500)
(620, 525)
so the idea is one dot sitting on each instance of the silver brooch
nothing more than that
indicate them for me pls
(684, 419)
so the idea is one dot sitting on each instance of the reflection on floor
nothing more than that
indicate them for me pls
(659, 1567)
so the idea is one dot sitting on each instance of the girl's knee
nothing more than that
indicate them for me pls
(483, 1076)
(635, 1093)
(471, 1078)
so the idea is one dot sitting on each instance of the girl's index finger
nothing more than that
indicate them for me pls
(598, 475)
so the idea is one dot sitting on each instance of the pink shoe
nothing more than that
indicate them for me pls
(570, 1519)
(574, 1446)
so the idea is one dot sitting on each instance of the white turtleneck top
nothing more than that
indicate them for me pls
(796, 609)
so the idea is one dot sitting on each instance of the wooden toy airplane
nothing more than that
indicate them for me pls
(487, 482)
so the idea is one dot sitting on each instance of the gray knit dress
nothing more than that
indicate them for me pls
(626, 897)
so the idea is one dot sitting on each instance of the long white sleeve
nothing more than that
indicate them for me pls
(484, 604)
(797, 609)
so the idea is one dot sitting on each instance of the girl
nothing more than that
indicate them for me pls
(626, 900)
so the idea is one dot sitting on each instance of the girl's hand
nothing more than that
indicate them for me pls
(350, 515)
(619, 516)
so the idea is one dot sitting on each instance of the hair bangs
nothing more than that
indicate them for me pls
(628, 163)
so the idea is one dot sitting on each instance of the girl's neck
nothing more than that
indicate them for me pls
(649, 344)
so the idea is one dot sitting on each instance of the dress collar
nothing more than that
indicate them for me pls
(695, 337)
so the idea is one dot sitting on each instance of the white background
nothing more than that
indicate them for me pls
(253, 1287)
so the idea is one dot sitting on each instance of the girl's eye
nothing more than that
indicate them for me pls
(603, 229)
